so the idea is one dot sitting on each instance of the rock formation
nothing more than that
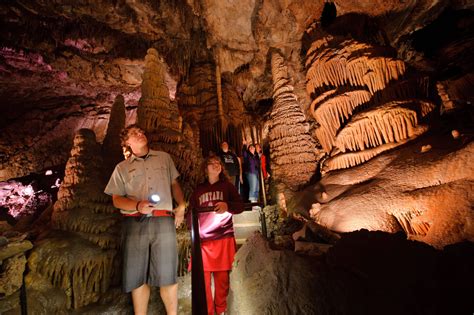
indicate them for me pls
(293, 151)
(198, 101)
(364, 273)
(366, 107)
(13, 247)
(427, 195)
(111, 147)
(160, 118)
(80, 255)
(359, 115)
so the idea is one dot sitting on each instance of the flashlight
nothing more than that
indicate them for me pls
(154, 198)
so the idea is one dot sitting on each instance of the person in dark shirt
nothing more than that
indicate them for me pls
(216, 229)
(251, 170)
(232, 164)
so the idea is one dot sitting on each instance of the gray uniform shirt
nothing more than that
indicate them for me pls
(138, 178)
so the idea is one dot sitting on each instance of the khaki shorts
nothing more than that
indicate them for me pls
(150, 254)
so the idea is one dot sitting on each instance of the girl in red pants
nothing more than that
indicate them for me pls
(216, 230)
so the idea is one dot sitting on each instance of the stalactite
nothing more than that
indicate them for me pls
(199, 103)
(348, 62)
(220, 106)
(351, 159)
(390, 123)
(333, 112)
(411, 223)
(292, 148)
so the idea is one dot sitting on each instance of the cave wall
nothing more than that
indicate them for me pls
(63, 66)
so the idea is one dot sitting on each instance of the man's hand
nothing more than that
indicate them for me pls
(179, 215)
(221, 207)
(145, 207)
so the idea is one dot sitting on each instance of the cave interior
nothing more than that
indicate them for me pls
(364, 110)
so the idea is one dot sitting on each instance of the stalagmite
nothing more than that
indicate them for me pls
(111, 145)
(160, 118)
(292, 148)
(89, 226)
(155, 112)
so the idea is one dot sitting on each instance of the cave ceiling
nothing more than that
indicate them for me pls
(63, 62)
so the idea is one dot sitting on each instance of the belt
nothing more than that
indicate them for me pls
(155, 213)
(162, 213)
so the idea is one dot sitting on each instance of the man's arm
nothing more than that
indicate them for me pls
(131, 205)
(179, 198)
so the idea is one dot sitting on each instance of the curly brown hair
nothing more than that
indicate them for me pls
(124, 134)
(203, 170)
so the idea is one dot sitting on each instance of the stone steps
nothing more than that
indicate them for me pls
(245, 224)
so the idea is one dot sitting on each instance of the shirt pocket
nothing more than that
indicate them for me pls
(160, 173)
(136, 178)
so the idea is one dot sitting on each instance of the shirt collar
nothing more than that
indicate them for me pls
(133, 157)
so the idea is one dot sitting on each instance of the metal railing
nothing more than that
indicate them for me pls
(198, 290)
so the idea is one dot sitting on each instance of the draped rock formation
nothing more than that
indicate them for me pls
(292, 149)
(426, 194)
(365, 102)
(80, 259)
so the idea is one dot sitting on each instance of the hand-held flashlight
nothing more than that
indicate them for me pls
(154, 198)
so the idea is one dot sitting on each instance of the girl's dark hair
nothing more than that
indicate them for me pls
(223, 174)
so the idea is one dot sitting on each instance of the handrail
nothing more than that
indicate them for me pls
(198, 290)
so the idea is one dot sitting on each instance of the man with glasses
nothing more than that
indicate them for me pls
(149, 228)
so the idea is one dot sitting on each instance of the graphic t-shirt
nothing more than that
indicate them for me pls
(212, 225)
(230, 162)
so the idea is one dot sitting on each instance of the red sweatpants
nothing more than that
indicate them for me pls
(221, 289)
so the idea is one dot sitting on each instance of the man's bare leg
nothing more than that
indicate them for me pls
(169, 295)
(140, 297)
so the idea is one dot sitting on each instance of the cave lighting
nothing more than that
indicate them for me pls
(20, 200)
(57, 183)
